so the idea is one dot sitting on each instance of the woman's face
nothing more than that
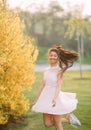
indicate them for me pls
(53, 57)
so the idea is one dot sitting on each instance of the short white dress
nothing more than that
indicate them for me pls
(65, 103)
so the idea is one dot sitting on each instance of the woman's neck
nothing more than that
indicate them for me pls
(52, 65)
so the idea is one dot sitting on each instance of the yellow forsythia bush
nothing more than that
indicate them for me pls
(17, 58)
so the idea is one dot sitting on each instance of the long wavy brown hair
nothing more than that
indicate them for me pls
(65, 58)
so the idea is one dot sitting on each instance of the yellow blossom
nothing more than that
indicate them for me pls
(17, 58)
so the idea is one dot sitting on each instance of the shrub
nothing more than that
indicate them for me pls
(17, 58)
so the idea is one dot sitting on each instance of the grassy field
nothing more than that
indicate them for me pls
(72, 83)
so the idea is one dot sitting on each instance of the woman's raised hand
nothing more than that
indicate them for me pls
(53, 103)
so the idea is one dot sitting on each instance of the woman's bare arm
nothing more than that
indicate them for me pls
(60, 80)
(40, 90)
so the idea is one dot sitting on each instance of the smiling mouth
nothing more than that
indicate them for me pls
(52, 59)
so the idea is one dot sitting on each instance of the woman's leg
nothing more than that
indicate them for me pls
(57, 122)
(48, 120)
(66, 120)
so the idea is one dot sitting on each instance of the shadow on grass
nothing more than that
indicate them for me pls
(19, 123)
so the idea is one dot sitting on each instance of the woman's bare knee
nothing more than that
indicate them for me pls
(48, 120)
(58, 122)
(48, 124)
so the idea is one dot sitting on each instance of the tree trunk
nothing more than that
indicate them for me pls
(4, 127)
(80, 60)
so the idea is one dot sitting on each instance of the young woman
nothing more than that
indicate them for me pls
(50, 100)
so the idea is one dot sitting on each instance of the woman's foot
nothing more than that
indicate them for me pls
(72, 119)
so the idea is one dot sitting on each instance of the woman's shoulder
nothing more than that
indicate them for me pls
(55, 69)
(46, 69)
(60, 71)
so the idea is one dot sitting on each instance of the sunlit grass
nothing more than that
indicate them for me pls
(72, 83)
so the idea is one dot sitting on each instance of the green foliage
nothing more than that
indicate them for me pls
(78, 26)
(42, 57)
(48, 27)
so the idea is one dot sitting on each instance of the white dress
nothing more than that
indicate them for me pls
(65, 103)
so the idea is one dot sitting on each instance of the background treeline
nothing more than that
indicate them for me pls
(48, 27)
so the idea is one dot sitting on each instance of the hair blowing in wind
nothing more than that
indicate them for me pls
(65, 58)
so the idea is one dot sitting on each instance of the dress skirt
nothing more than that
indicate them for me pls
(65, 103)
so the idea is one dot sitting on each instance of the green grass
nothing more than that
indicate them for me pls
(72, 83)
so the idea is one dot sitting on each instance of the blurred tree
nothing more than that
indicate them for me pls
(45, 24)
(78, 27)
(48, 26)
(17, 57)
(56, 27)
